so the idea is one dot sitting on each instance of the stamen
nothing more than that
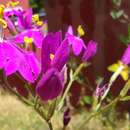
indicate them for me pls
(3, 23)
(80, 31)
(39, 23)
(52, 56)
(28, 40)
(35, 18)
(2, 7)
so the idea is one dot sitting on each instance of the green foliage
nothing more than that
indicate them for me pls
(127, 98)
(126, 39)
(37, 5)
(120, 15)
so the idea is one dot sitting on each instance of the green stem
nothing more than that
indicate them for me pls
(96, 113)
(43, 117)
(72, 79)
(51, 110)
(50, 125)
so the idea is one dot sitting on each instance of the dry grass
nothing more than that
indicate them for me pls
(16, 116)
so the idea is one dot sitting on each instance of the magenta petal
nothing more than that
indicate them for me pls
(54, 40)
(10, 68)
(28, 19)
(34, 64)
(31, 33)
(13, 59)
(50, 86)
(62, 55)
(2, 57)
(90, 50)
(9, 57)
(29, 67)
(126, 57)
(77, 46)
(69, 31)
(45, 55)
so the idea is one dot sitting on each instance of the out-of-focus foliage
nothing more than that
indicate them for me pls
(126, 39)
(37, 5)
(117, 2)
(119, 14)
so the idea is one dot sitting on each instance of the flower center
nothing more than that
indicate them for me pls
(35, 19)
(28, 40)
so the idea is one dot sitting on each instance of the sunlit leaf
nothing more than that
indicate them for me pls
(127, 98)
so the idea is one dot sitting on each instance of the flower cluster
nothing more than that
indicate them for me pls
(28, 30)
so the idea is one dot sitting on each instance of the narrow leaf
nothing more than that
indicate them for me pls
(125, 89)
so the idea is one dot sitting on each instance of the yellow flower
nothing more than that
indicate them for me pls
(80, 31)
(125, 72)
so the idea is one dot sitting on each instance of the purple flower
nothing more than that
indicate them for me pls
(13, 59)
(55, 54)
(90, 50)
(14, 17)
(35, 34)
(27, 24)
(76, 42)
(50, 85)
(19, 19)
(126, 56)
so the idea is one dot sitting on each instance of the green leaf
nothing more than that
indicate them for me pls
(125, 89)
(127, 98)
(124, 39)
(87, 100)
(117, 14)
